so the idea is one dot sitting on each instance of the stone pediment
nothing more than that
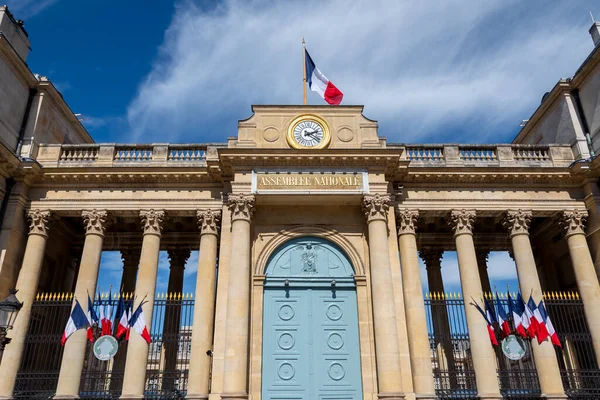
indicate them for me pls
(269, 125)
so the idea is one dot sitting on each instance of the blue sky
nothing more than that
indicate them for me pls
(186, 71)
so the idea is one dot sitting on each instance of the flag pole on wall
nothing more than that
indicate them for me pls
(304, 68)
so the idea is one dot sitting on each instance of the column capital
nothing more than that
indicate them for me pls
(39, 222)
(407, 221)
(209, 221)
(432, 257)
(573, 222)
(375, 206)
(517, 222)
(242, 206)
(95, 221)
(178, 256)
(131, 257)
(462, 221)
(152, 221)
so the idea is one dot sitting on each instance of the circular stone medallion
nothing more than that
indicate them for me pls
(513, 347)
(336, 371)
(105, 347)
(286, 371)
(286, 312)
(335, 341)
(334, 312)
(286, 341)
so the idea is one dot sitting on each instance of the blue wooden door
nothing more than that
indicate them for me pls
(310, 325)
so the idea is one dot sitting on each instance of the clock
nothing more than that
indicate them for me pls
(308, 131)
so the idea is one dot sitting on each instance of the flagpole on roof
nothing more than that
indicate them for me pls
(304, 68)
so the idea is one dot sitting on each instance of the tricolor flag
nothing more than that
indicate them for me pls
(542, 331)
(530, 308)
(525, 320)
(128, 319)
(516, 309)
(107, 316)
(502, 318)
(138, 323)
(317, 82)
(489, 323)
(77, 320)
(92, 318)
(123, 325)
(551, 332)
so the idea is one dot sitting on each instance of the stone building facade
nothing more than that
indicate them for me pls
(316, 224)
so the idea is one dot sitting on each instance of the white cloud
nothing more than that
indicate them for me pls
(22, 9)
(428, 71)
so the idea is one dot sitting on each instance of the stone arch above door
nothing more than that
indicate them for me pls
(314, 231)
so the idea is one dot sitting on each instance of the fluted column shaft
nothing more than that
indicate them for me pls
(204, 308)
(27, 284)
(414, 306)
(484, 359)
(546, 363)
(134, 380)
(74, 352)
(386, 335)
(238, 302)
(131, 260)
(587, 281)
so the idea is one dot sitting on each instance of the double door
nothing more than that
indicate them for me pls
(310, 344)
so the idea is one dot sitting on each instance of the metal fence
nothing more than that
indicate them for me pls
(168, 356)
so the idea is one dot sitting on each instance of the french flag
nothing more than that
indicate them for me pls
(502, 318)
(92, 319)
(488, 321)
(317, 82)
(525, 320)
(77, 320)
(551, 332)
(107, 316)
(530, 308)
(542, 331)
(516, 309)
(138, 323)
(123, 326)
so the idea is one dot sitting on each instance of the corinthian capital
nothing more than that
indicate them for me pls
(573, 222)
(94, 221)
(432, 257)
(241, 206)
(407, 221)
(209, 221)
(375, 206)
(152, 221)
(517, 222)
(39, 222)
(462, 221)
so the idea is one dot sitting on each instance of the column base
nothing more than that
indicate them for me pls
(391, 396)
(489, 396)
(193, 396)
(131, 397)
(234, 396)
(426, 396)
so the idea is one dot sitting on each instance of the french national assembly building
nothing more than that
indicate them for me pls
(314, 237)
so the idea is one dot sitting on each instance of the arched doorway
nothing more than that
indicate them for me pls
(310, 323)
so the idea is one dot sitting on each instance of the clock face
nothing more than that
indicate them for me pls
(308, 131)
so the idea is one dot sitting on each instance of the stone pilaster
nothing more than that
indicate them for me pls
(573, 223)
(134, 380)
(74, 353)
(414, 306)
(131, 260)
(237, 340)
(387, 352)
(517, 222)
(27, 283)
(204, 308)
(484, 359)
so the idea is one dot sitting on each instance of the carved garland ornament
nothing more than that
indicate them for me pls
(241, 206)
(407, 221)
(209, 221)
(462, 221)
(375, 207)
(152, 221)
(39, 222)
(517, 222)
(94, 221)
(573, 222)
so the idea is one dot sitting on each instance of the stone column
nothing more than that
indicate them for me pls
(573, 223)
(204, 308)
(74, 351)
(387, 353)
(131, 260)
(517, 223)
(439, 313)
(484, 359)
(237, 339)
(27, 284)
(482, 259)
(178, 257)
(414, 306)
(134, 380)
